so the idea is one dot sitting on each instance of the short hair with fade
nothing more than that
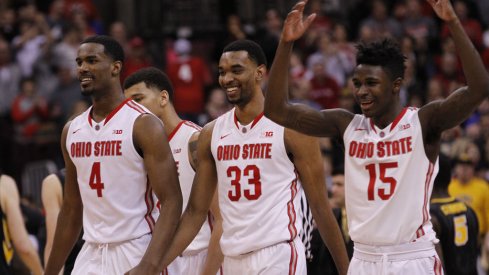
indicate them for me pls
(153, 78)
(385, 53)
(111, 47)
(255, 51)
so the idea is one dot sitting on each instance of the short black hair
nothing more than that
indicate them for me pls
(444, 176)
(153, 78)
(255, 51)
(385, 53)
(111, 47)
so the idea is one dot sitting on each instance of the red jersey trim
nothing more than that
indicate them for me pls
(293, 258)
(136, 107)
(255, 121)
(175, 130)
(112, 114)
(148, 198)
(398, 118)
(193, 125)
(291, 209)
(372, 125)
(420, 232)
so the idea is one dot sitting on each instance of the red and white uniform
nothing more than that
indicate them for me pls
(259, 192)
(193, 257)
(389, 183)
(117, 197)
(390, 180)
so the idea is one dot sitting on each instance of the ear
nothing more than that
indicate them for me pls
(116, 68)
(260, 72)
(164, 98)
(397, 85)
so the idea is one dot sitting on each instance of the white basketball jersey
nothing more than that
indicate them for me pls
(117, 198)
(257, 184)
(389, 181)
(179, 139)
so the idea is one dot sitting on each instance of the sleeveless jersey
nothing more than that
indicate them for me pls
(179, 139)
(459, 235)
(7, 249)
(116, 194)
(259, 192)
(389, 181)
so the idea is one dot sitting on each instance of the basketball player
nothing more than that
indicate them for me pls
(115, 158)
(152, 88)
(455, 225)
(256, 165)
(52, 199)
(13, 234)
(391, 152)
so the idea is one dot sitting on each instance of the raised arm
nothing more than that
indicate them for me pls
(203, 189)
(150, 138)
(52, 198)
(307, 159)
(15, 223)
(69, 222)
(299, 117)
(445, 114)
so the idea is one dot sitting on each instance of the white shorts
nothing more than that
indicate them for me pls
(188, 264)
(280, 259)
(412, 258)
(110, 259)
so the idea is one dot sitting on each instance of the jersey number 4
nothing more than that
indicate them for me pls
(386, 187)
(253, 174)
(95, 181)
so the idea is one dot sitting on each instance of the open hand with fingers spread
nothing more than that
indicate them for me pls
(295, 25)
(443, 9)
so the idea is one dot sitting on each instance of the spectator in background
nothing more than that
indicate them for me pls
(324, 89)
(455, 225)
(472, 27)
(32, 43)
(8, 27)
(470, 189)
(137, 57)
(56, 20)
(118, 30)
(64, 52)
(189, 75)
(381, 23)
(215, 105)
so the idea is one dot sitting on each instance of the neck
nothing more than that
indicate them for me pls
(105, 104)
(249, 111)
(388, 117)
(170, 119)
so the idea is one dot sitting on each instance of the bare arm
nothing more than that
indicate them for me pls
(214, 254)
(15, 222)
(149, 136)
(302, 118)
(307, 159)
(445, 114)
(69, 222)
(203, 189)
(52, 198)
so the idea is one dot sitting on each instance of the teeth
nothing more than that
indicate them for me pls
(232, 89)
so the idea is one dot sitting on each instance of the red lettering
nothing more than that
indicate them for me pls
(380, 150)
(353, 148)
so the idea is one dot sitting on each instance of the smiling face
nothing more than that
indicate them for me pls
(148, 97)
(374, 91)
(95, 68)
(238, 76)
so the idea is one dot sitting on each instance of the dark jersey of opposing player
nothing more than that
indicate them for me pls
(458, 239)
(6, 248)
